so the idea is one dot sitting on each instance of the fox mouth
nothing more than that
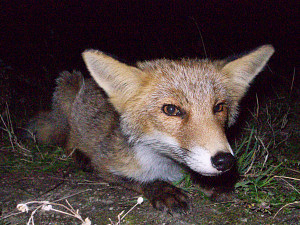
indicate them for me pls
(207, 169)
(214, 174)
(210, 174)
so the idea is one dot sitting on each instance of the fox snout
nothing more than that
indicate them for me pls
(211, 158)
(223, 161)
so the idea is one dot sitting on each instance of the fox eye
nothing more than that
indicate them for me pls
(219, 107)
(172, 110)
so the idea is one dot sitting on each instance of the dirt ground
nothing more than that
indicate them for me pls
(101, 202)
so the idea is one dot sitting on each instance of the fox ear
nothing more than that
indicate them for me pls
(243, 70)
(119, 80)
(240, 72)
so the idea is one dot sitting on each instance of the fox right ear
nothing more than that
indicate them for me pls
(119, 80)
(243, 70)
(240, 72)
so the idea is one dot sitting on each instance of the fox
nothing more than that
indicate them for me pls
(140, 126)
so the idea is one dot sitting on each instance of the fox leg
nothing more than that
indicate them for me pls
(165, 197)
(161, 194)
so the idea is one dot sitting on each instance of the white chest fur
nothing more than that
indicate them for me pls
(155, 166)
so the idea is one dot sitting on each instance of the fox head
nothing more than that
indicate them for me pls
(179, 109)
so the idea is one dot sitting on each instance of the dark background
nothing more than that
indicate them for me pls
(38, 39)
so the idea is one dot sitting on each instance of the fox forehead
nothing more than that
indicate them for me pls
(186, 80)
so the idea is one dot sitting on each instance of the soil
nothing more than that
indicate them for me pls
(101, 202)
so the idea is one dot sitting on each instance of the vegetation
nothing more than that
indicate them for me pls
(268, 158)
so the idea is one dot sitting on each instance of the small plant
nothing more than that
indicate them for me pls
(28, 156)
(49, 206)
(259, 165)
(185, 182)
(139, 201)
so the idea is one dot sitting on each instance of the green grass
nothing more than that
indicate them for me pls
(269, 179)
(27, 156)
(4, 223)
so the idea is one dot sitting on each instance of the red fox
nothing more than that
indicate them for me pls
(141, 125)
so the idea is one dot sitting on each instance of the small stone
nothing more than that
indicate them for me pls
(244, 220)
(106, 202)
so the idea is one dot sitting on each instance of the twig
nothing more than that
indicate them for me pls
(48, 206)
(291, 178)
(292, 203)
(199, 31)
(292, 84)
(282, 178)
(139, 201)
(219, 203)
(72, 195)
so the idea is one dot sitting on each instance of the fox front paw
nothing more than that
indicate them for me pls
(166, 197)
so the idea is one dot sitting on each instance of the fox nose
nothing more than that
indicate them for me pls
(223, 161)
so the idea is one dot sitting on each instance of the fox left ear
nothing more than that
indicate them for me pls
(240, 72)
(119, 80)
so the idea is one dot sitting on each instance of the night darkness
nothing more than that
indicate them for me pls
(42, 38)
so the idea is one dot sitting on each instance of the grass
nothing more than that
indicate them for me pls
(27, 156)
(270, 179)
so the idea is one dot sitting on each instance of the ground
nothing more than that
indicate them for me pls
(100, 202)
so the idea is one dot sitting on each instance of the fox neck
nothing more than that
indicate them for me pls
(145, 159)
(155, 165)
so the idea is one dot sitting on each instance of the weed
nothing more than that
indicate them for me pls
(49, 206)
(185, 182)
(23, 156)
(121, 216)
(263, 183)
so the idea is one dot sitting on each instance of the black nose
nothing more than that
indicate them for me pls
(223, 161)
